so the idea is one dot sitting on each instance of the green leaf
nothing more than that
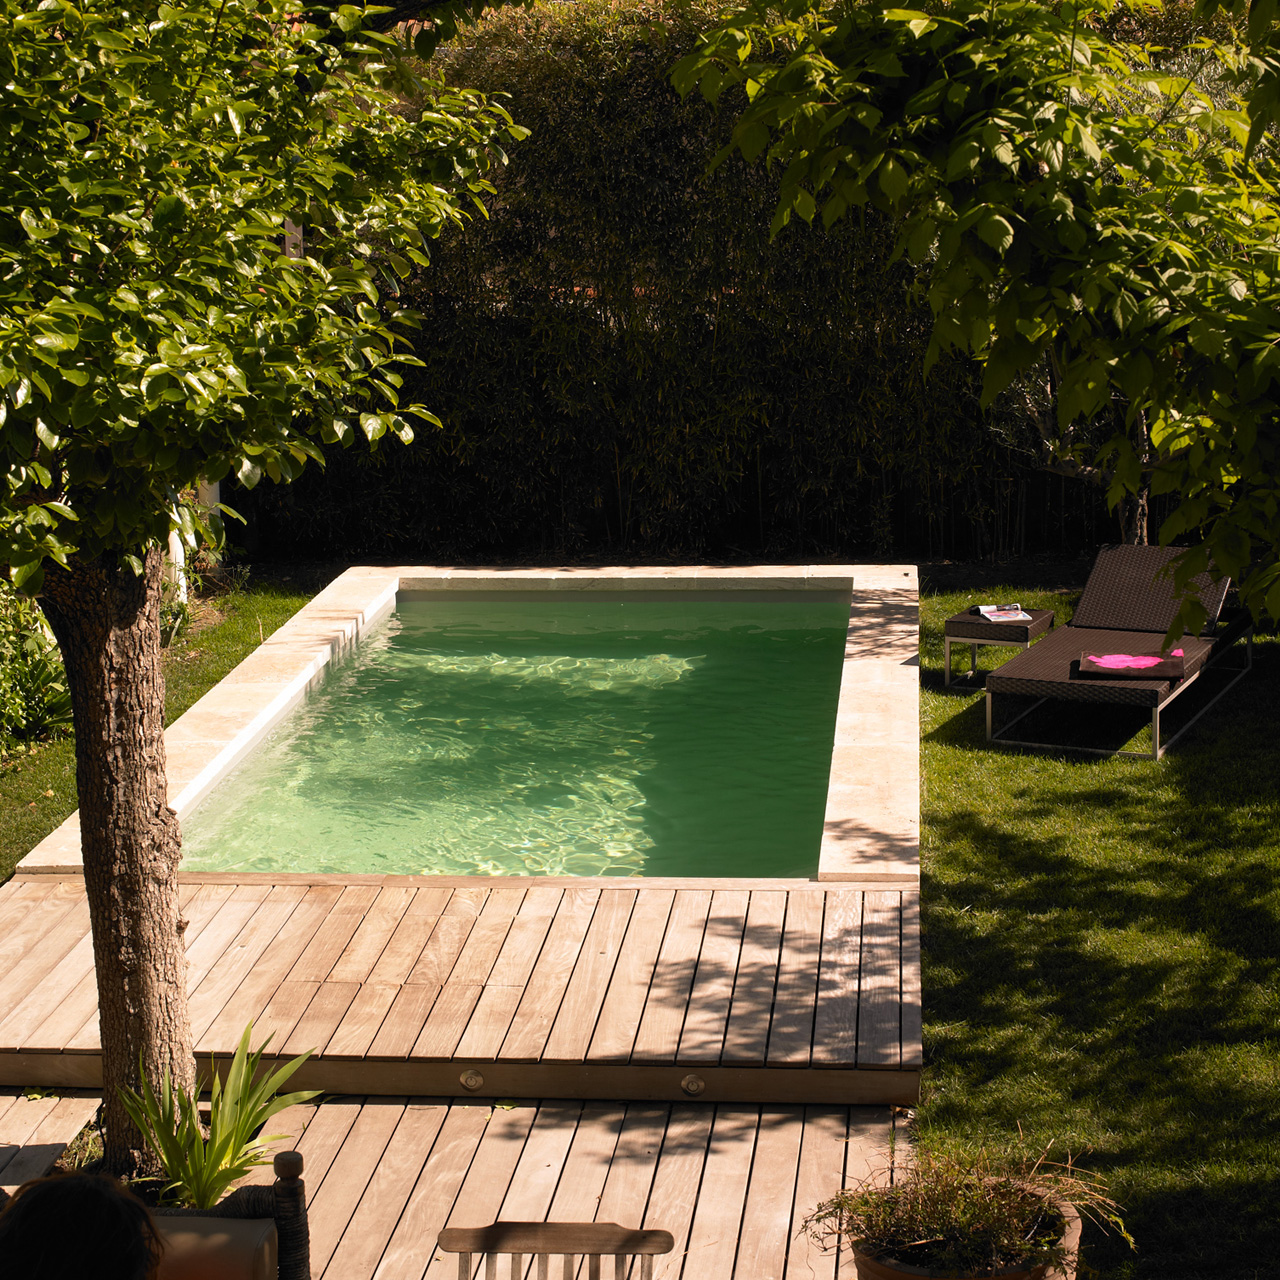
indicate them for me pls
(893, 179)
(997, 231)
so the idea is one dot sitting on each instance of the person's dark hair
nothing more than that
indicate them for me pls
(74, 1226)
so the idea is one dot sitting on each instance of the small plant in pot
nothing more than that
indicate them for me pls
(953, 1219)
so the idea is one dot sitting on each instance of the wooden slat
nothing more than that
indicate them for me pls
(595, 1144)
(290, 1124)
(676, 1181)
(207, 998)
(371, 936)
(38, 915)
(485, 1185)
(629, 1176)
(912, 1028)
(47, 1141)
(436, 960)
(404, 1022)
(329, 1210)
(576, 1020)
(663, 1019)
(413, 1240)
(765, 1235)
(19, 1123)
(362, 1021)
(367, 1234)
(401, 951)
(330, 941)
(615, 1032)
(254, 993)
(545, 989)
(820, 1176)
(747, 1034)
(283, 1012)
(46, 952)
(717, 1220)
(791, 1032)
(446, 1022)
(879, 986)
(505, 984)
(702, 1037)
(537, 1173)
(318, 1023)
(835, 1033)
(321, 1141)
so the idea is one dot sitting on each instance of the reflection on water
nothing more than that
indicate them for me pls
(466, 740)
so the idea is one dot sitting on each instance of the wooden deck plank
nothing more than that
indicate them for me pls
(400, 952)
(321, 1141)
(254, 993)
(362, 1021)
(746, 1037)
(368, 1233)
(629, 1176)
(291, 1124)
(47, 1141)
(504, 987)
(46, 952)
(676, 1181)
(912, 1013)
(592, 1152)
(880, 979)
(485, 1186)
(436, 960)
(540, 1003)
(658, 1036)
(64, 988)
(404, 1022)
(717, 1219)
(537, 1173)
(19, 1123)
(615, 1032)
(37, 915)
(819, 1176)
(371, 936)
(216, 937)
(330, 1209)
(318, 1023)
(446, 1022)
(795, 1002)
(576, 1019)
(484, 943)
(283, 1012)
(206, 999)
(413, 1240)
(766, 1221)
(835, 1033)
(702, 1037)
(331, 940)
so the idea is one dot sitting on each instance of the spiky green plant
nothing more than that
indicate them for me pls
(202, 1165)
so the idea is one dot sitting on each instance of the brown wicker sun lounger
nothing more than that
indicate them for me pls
(1127, 608)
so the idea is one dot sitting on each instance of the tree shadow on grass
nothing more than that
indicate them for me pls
(1100, 964)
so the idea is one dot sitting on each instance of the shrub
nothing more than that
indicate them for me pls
(34, 701)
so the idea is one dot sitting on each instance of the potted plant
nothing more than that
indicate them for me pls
(945, 1217)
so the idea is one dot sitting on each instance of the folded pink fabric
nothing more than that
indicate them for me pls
(1130, 661)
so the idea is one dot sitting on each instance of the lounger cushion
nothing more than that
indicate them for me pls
(1127, 592)
(1050, 669)
(218, 1248)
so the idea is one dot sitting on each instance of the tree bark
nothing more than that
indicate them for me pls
(107, 622)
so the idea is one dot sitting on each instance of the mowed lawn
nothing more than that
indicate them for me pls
(38, 791)
(1101, 947)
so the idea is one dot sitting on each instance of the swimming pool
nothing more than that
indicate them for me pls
(602, 735)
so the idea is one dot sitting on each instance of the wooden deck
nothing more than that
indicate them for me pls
(729, 991)
(731, 1182)
(35, 1127)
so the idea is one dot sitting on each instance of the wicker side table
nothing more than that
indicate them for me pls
(974, 630)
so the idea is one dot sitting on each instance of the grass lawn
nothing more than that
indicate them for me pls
(38, 791)
(1101, 939)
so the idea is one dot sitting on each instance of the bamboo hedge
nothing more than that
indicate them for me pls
(625, 364)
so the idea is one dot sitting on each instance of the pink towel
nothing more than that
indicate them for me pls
(1130, 661)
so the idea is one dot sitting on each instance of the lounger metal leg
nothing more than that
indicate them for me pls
(946, 663)
(1156, 751)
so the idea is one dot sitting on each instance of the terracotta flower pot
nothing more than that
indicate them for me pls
(887, 1269)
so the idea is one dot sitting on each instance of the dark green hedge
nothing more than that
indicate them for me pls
(625, 364)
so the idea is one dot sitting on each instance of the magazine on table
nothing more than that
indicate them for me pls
(1004, 613)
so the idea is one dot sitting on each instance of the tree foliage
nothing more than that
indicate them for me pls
(156, 325)
(1064, 199)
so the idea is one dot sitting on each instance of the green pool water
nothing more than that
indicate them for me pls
(568, 737)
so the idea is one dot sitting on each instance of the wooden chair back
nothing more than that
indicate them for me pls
(521, 1241)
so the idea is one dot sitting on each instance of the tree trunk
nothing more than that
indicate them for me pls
(107, 622)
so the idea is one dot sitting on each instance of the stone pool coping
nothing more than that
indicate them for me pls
(871, 831)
